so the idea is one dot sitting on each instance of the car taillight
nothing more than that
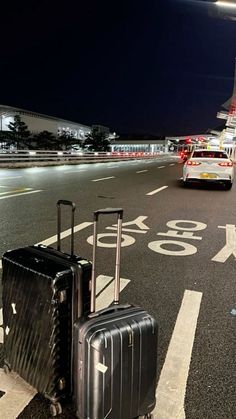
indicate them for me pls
(193, 163)
(226, 164)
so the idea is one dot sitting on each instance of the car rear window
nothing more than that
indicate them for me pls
(210, 154)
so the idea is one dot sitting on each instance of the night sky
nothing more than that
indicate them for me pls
(160, 67)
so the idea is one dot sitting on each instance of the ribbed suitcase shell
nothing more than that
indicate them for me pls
(38, 315)
(115, 364)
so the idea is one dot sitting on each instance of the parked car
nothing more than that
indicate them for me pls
(209, 166)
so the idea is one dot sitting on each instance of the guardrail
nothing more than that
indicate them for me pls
(22, 158)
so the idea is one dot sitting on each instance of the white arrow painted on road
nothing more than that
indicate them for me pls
(230, 247)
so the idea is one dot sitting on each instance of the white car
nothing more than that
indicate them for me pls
(209, 166)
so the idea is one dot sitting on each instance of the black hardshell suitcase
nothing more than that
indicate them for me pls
(44, 292)
(115, 354)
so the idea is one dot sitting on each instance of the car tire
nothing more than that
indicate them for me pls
(185, 183)
(228, 186)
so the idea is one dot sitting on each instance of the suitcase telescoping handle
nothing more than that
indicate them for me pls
(119, 212)
(72, 205)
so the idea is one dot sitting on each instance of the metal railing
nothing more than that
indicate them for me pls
(57, 157)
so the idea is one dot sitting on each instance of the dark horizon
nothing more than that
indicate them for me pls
(161, 69)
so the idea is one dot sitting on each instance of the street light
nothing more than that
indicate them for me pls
(226, 4)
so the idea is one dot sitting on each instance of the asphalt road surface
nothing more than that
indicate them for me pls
(178, 262)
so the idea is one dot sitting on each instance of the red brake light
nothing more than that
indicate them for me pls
(226, 164)
(193, 163)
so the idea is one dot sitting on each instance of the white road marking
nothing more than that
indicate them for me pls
(101, 282)
(10, 177)
(230, 247)
(107, 296)
(18, 194)
(17, 395)
(16, 190)
(103, 178)
(142, 171)
(161, 167)
(157, 190)
(171, 387)
(65, 233)
(172, 164)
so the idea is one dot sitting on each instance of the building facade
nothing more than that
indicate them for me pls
(37, 122)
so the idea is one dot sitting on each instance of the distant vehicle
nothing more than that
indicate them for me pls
(209, 166)
(185, 154)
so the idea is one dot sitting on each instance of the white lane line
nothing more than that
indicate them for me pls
(171, 387)
(17, 395)
(10, 177)
(141, 171)
(18, 194)
(103, 178)
(161, 167)
(16, 190)
(65, 233)
(172, 164)
(157, 190)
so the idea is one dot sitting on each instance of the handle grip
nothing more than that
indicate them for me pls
(73, 207)
(118, 211)
(65, 202)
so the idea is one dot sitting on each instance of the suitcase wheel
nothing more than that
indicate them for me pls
(55, 409)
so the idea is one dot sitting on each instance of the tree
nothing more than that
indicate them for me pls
(96, 140)
(18, 132)
(67, 140)
(46, 140)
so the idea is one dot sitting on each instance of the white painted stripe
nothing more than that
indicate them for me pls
(65, 233)
(157, 190)
(16, 190)
(107, 296)
(161, 167)
(142, 171)
(171, 387)
(10, 177)
(230, 246)
(103, 178)
(17, 395)
(18, 194)
(172, 164)
(101, 282)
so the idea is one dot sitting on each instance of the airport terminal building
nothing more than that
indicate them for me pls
(37, 122)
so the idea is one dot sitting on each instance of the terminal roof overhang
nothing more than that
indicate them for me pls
(8, 110)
